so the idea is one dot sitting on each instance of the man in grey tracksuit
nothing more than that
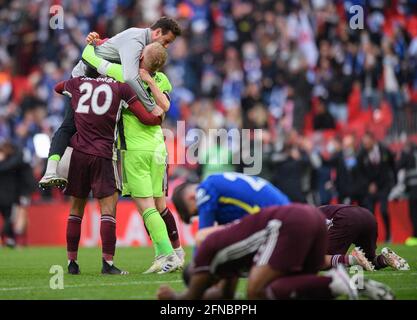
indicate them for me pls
(126, 48)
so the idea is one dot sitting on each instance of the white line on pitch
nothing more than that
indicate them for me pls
(94, 285)
(393, 273)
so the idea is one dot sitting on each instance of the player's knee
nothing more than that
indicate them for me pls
(108, 210)
(77, 208)
(160, 204)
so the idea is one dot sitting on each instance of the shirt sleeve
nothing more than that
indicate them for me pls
(144, 116)
(59, 87)
(127, 94)
(207, 206)
(129, 58)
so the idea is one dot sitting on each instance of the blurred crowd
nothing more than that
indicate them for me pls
(324, 92)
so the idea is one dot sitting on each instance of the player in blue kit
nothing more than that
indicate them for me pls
(224, 197)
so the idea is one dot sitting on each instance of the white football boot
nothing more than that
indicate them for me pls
(50, 180)
(361, 259)
(375, 290)
(165, 264)
(394, 260)
(170, 263)
(156, 265)
(341, 284)
(181, 255)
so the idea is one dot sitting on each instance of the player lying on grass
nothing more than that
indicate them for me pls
(97, 104)
(349, 225)
(224, 197)
(126, 49)
(144, 165)
(281, 249)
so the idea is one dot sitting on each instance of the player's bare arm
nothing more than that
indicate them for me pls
(224, 289)
(145, 117)
(195, 291)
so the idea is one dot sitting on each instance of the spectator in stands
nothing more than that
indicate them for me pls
(26, 185)
(11, 160)
(256, 60)
(393, 85)
(376, 165)
(289, 165)
(371, 97)
(339, 88)
(323, 120)
(408, 162)
(348, 182)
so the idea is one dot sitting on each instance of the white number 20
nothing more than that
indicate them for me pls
(87, 89)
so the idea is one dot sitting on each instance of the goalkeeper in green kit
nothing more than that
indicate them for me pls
(144, 155)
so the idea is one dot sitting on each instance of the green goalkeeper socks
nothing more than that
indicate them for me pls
(158, 231)
(55, 157)
(103, 67)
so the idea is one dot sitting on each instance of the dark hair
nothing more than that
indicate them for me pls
(179, 202)
(167, 24)
(91, 72)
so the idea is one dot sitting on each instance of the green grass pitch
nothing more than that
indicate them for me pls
(24, 274)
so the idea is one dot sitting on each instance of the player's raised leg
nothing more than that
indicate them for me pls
(59, 143)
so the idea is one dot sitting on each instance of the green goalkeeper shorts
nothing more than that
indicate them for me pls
(144, 173)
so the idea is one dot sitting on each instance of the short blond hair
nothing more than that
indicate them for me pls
(154, 57)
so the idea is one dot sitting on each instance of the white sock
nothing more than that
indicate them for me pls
(51, 166)
(109, 262)
(69, 261)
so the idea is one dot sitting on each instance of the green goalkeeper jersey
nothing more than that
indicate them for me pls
(138, 136)
(133, 134)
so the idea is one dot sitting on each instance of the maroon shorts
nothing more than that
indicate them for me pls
(352, 225)
(91, 173)
(290, 239)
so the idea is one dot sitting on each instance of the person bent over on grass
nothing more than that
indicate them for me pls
(224, 197)
(347, 225)
(281, 249)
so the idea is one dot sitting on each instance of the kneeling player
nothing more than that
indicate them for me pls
(282, 248)
(349, 225)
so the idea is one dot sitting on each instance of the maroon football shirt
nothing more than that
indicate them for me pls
(97, 105)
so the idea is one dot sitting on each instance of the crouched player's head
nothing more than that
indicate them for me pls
(184, 199)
